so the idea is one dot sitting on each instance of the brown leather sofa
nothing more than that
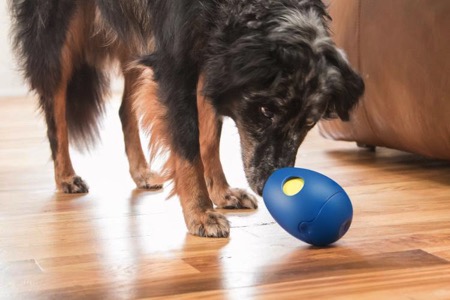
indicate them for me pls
(402, 50)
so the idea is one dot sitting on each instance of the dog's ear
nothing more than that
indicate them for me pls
(346, 85)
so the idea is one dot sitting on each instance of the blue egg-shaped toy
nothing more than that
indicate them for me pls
(309, 205)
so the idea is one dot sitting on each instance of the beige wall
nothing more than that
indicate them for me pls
(11, 83)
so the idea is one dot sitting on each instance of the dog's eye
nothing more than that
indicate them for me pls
(267, 112)
(310, 123)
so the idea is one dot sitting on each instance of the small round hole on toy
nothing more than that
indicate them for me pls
(293, 186)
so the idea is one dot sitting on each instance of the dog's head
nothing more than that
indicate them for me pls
(275, 71)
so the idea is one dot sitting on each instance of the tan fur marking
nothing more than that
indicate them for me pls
(63, 164)
(73, 46)
(189, 184)
(150, 111)
(209, 130)
(199, 215)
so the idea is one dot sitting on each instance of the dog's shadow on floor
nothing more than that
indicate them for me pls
(395, 161)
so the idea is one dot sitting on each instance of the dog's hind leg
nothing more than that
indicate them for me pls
(66, 179)
(139, 168)
(210, 125)
(63, 112)
(44, 32)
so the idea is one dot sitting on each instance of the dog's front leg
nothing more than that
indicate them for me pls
(210, 126)
(198, 211)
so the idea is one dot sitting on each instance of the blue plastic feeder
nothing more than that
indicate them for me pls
(309, 205)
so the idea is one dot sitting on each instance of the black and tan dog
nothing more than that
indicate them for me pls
(269, 65)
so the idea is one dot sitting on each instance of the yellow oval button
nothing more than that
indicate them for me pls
(293, 186)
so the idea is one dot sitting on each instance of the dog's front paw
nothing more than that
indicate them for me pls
(148, 180)
(209, 224)
(235, 199)
(73, 185)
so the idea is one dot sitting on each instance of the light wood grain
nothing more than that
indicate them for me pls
(118, 242)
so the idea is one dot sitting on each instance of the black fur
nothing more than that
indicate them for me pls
(39, 33)
(85, 93)
(270, 65)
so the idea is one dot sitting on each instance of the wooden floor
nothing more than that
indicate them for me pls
(121, 243)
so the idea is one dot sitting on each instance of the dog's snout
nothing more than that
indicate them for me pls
(259, 190)
(257, 183)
